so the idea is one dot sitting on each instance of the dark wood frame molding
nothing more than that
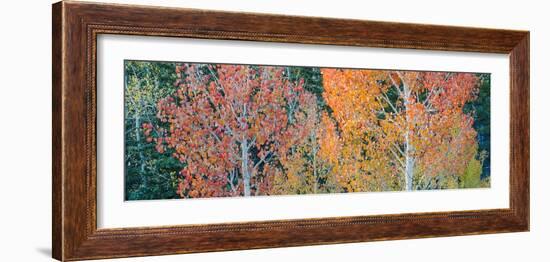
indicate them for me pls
(76, 26)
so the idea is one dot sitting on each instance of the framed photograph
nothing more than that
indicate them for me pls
(180, 130)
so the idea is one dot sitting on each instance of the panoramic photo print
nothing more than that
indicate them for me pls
(202, 130)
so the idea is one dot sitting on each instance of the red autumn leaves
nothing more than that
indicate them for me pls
(250, 130)
(227, 124)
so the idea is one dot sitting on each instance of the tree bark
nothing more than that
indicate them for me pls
(244, 167)
(137, 131)
(409, 164)
(409, 148)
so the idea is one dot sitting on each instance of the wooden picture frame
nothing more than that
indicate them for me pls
(76, 26)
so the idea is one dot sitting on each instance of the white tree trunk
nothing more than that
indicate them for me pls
(137, 131)
(244, 167)
(409, 148)
(409, 164)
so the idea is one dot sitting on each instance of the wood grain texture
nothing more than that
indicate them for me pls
(57, 202)
(76, 26)
(519, 129)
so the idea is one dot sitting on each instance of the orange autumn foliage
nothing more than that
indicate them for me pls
(241, 130)
(397, 127)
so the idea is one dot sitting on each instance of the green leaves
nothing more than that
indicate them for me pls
(148, 173)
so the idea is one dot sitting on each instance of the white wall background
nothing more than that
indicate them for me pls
(25, 130)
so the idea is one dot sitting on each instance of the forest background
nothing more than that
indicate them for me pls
(321, 149)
